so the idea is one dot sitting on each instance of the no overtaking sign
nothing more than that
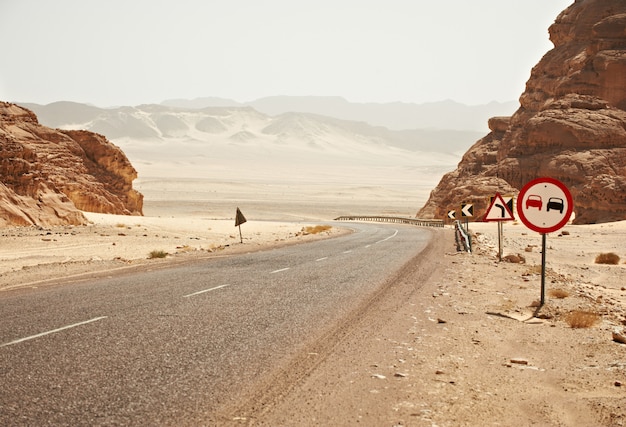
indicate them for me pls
(544, 205)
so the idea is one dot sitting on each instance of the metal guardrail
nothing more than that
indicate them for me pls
(393, 219)
(463, 239)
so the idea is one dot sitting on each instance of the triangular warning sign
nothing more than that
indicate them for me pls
(498, 210)
(239, 218)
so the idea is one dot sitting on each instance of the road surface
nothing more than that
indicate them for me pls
(177, 346)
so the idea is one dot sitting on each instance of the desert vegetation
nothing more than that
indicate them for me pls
(315, 229)
(558, 293)
(607, 258)
(581, 319)
(157, 254)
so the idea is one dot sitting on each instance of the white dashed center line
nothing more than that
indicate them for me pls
(95, 319)
(206, 290)
(390, 237)
(278, 271)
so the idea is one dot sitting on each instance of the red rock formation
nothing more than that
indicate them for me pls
(571, 124)
(47, 176)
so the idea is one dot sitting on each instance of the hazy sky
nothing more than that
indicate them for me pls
(129, 52)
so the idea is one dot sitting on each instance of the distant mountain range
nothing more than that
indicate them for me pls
(448, 115)
(285, 141)
(214, 118)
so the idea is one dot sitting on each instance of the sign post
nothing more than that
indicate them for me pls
(544, 205)
(499, 210)
(467, 210)
(239, 219)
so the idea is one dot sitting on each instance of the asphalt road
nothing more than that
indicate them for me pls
(172, 346)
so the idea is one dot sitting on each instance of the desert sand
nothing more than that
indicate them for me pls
(469, 347)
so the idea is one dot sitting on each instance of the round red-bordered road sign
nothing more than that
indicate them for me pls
(544, 205)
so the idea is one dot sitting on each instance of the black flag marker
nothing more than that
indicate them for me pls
(239, 219)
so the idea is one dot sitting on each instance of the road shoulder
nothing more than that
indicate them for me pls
(454, 343)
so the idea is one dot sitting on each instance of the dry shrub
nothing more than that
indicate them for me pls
(316, 229)
(581, 319)
(157, 254)
(607, 258)
(558, 293)
(534, 269)
(516, 259)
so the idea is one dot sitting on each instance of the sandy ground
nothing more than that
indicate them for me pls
(469, 347)
(33, 256)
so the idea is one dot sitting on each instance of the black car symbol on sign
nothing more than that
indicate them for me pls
(555, 203)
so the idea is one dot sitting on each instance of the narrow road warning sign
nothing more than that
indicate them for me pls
(498, 210)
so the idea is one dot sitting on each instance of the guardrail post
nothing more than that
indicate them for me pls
(462, 237)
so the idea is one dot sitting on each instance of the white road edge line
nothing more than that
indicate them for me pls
(278, 271)
(390, 237)
(206, 290)
(95, 319)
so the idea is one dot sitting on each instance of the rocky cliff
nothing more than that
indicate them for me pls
(571, 124)
(48, 176)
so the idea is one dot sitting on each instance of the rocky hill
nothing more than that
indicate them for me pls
(48, 176)
(571, 124)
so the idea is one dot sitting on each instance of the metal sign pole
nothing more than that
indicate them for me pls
(500, 240)
(499, 211)
(544, 205)
(543, 268)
